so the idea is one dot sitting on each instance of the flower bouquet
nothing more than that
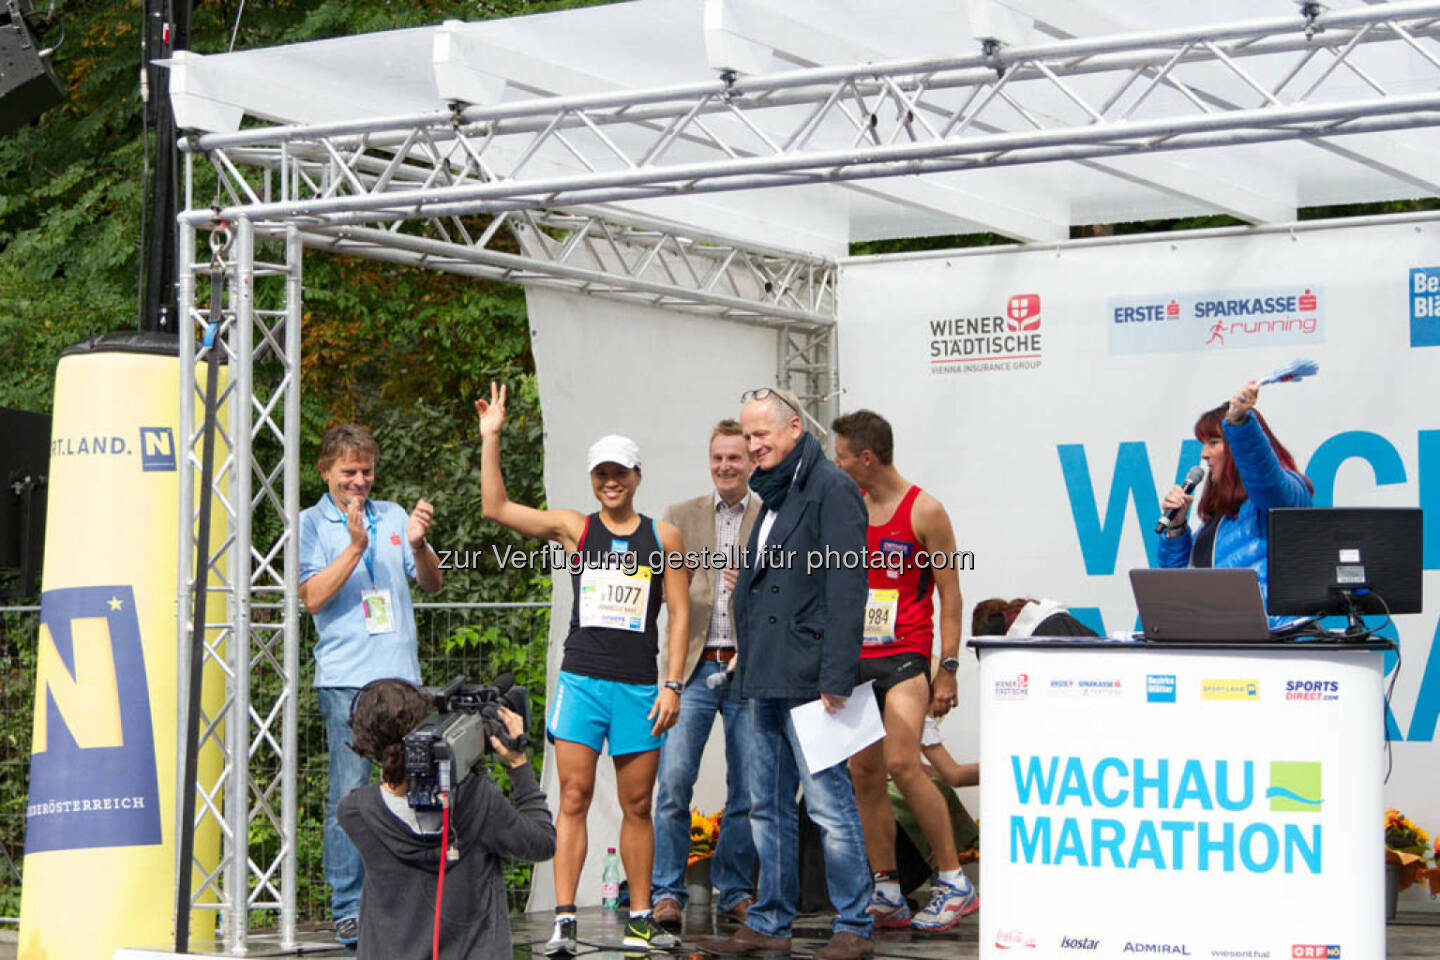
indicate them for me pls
(704, 834)
(1408, 848)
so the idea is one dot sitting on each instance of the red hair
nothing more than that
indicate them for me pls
(1224, 490)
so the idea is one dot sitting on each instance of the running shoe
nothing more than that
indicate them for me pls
(562, 942)
(948, 904)
(888, 912)
(645, 933)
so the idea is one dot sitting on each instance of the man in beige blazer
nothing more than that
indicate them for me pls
(715, 527)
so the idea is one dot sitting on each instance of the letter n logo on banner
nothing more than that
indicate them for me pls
(92, 765)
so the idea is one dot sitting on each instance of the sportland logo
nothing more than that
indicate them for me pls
(1294, 787)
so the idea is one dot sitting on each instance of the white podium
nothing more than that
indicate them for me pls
(1180, 799)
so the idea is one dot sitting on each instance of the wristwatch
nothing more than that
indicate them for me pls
(950, 663)
(675, 685)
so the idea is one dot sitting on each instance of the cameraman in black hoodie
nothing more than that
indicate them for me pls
(400, 846)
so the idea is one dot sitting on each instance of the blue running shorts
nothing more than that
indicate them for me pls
(589, 710)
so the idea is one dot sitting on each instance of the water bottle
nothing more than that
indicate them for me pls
(610, 881)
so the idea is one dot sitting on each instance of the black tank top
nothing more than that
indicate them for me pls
(619, 652)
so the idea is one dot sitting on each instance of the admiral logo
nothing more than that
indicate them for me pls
(1312, 690)
(1425, 307)
(1213, 689)
(1079, 943)
(92, 766)
(1208, 320)
(1017, 688)
(1294, 787)
(981, 343)
(1315, 951)
(1159, 688)
(1014, 940)
(1157, 949)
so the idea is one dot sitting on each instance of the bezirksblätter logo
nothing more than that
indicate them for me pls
(974, 344)
(1425, 307)
(1159, 688)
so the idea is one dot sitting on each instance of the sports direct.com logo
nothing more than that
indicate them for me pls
(1315, 951)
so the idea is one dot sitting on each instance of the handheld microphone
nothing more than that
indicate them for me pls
(717, 680)
(1192, 480)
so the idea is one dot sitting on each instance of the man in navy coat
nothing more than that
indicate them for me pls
(799, 611)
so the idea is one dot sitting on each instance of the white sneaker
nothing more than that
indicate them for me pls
(562, 942)
(948, 904)
(888, 912)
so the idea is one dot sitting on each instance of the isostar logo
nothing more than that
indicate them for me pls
(1312, 690)
(1425, 307)
(1085, 688)
(1159, 688)
(1014, 940)
(1079, 943)
(1157, 949)
(988, 342)
(1315, 951)
(1023, 312)
(1016, 688)
(1294, 787)
(92, 763)
(1213, 319)
(1222, 689)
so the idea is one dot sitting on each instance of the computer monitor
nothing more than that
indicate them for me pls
(1323, 559)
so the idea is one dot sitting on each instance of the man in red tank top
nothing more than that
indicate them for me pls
(911, 549)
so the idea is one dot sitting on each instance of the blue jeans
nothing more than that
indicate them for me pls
(348, 770)
(775, 767)
(734, 859)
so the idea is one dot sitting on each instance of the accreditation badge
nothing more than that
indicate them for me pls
(614, 599)
(379, 611)
(881, 607)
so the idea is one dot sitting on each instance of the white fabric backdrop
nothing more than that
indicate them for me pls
(663, 379)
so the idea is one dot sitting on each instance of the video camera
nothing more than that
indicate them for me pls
(442, 750)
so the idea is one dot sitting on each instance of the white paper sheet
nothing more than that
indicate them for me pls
(829, 738)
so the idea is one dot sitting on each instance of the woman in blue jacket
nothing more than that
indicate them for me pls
(1249, 473)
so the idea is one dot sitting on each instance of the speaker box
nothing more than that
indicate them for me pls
(28, 87)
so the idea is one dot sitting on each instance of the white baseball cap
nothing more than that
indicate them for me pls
(614, 449)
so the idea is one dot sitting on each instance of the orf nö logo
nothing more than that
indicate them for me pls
(1315, 951)
(1023, 312)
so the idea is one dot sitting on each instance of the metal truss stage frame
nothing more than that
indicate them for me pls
(472, 191)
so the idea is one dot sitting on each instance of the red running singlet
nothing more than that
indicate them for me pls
(914, 604)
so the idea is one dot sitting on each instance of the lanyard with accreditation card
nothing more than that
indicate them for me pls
(376, 605)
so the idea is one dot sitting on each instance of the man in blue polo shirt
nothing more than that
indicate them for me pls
(357, 556)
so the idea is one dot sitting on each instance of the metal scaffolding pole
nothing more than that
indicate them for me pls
(1088, 99)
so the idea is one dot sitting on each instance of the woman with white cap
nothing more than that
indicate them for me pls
(606, 688)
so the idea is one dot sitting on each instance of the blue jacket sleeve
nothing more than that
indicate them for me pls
(1175, 551)
(1267, 483)
(842, 527)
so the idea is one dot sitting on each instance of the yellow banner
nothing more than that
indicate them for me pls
(100, 823)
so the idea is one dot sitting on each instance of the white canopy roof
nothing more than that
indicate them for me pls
(1389, 74)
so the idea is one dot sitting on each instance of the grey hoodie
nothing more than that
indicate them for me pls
(397, 904)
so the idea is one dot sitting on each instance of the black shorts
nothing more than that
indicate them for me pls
(888, 671)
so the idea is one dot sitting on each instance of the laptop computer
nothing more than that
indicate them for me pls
(1200, 605)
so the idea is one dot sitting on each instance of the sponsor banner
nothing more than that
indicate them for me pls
(100, 817)
(1012, 688)
(1070, 687)
(983, 343)
(1137, 813)
(1229, 689)
(1216, 319)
